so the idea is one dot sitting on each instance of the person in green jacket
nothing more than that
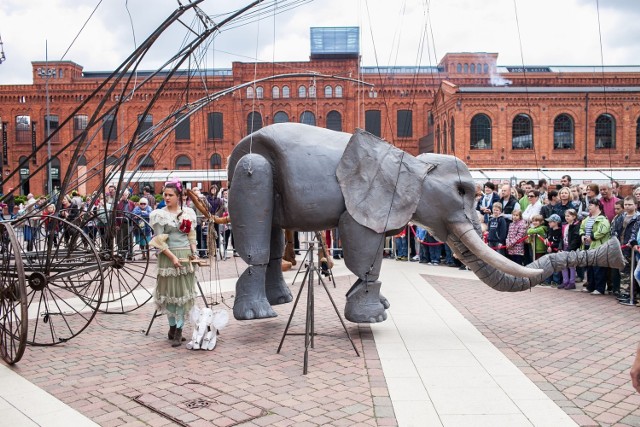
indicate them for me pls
(595, 230)
(537, 231)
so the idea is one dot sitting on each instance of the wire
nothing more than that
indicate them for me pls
(81, 29)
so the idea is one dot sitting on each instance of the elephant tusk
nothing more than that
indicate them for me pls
(468, 236)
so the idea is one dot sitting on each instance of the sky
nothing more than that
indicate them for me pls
(393, 33)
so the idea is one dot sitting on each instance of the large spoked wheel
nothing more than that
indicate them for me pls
(13, 298)
(122, 242)
(64, 279)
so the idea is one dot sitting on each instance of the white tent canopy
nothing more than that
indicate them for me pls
(624, 176)
(203, 175)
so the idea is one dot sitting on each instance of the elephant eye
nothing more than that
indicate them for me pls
(461, 191)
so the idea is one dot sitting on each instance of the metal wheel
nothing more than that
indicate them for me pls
(13, 298)
(64, 279)
(128, 278)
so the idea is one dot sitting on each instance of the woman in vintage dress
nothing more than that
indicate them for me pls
(175, 238)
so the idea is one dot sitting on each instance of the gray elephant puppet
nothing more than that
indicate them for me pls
(300, 177)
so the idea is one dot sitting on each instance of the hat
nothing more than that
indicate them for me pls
(554, 218)
(143, 200)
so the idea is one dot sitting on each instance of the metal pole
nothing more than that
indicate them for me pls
(47, 121)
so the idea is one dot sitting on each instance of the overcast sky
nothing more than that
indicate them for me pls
(533, 32)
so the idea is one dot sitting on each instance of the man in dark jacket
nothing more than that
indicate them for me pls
(625, 228)
(509, 203)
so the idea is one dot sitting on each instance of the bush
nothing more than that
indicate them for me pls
(20, 199)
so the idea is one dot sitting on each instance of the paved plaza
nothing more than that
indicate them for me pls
(453, 352)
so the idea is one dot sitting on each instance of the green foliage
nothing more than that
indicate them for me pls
(135, 198)
(20, 199)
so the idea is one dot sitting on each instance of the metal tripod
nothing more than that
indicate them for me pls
(309, 333)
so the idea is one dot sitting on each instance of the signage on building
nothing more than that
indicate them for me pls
(55, 173)
(529, 69)
(33, 141)
(5, 147)
(24, 171)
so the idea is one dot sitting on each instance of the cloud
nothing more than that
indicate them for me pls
(546, 32)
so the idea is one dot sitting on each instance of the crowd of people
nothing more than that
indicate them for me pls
(530, 220)
(527, 221)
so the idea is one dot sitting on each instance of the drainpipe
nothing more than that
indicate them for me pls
(586, 130)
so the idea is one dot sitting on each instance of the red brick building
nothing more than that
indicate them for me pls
(488, 115)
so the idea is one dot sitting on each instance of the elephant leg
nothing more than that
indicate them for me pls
(277, 290)
(362, 251)
(251, 210)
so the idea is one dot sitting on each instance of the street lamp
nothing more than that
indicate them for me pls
(46, 73)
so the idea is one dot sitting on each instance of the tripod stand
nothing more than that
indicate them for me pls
(308, 279)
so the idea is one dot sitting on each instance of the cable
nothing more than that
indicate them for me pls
(81, 29)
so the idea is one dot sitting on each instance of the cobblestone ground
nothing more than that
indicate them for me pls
(116, 375)
(576, 347)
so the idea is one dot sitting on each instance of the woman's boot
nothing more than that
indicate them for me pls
(172, 332)
(177, 338)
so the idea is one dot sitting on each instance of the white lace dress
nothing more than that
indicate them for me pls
(175, 291)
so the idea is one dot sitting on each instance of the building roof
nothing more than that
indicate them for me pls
(546, 89)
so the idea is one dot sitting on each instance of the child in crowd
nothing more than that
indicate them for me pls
(515, 238)
(570, 242)
(421, 235)
(536, 232)
(553, 242)
(401, 245)
(497, 229)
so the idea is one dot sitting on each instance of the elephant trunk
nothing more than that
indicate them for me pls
(607, 255)
(466, 235)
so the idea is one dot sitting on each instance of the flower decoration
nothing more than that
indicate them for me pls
(185, 226)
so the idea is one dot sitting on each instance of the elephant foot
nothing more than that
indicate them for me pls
(385, 302)
(276, 288)
(254, 309)
(251, 301)
(365, 304)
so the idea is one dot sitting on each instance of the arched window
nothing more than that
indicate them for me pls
(308, 118)
(473, 68)
(53, 122)
(638, 133)
(259, 92)
(563, 132)
(216, 161)
(452, 133)
(605, 131)
(312, 91)
(302, 92)
(486, 68)
(479, 68)
(280, 117)
(183, 162)
(275, 92)
(480, 132)
(254, 122)
(146, 162)
(466, 68)
(444, 138)
(112, 160)
(286, 93)
(437, 150)
(521, 132)
(24, 175)
(82, 161)
(338, 91)
(250, 92)
(459, 68)
(328, 91)
(334, 121)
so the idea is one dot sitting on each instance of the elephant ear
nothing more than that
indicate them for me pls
(381, 184)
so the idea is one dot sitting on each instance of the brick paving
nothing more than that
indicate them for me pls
(575, 347)
(116, 375)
